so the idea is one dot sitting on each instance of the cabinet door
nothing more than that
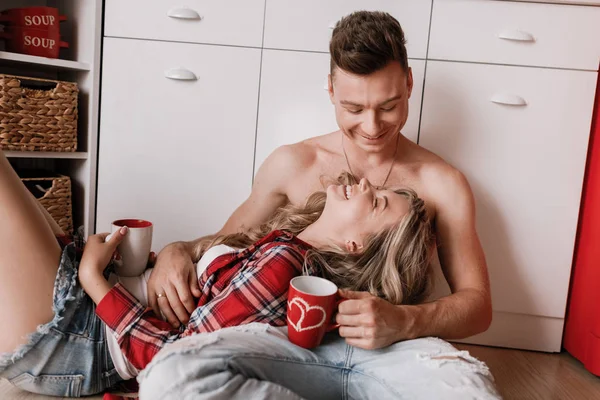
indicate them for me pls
(505, 32)
(307, 24)
(520, 136)
(295, 104)
(176, 152)
(229, 22)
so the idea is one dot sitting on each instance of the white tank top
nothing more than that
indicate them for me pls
(138, 287)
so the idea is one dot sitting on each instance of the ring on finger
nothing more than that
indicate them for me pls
(159, 295)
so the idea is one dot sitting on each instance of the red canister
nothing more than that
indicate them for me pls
(32, 17)
(33, 30)
(35, 42)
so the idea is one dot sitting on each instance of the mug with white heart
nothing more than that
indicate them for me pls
(312, 302)
(134, 250)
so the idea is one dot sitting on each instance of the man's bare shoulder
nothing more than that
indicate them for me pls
(294, 162)
(291, 157)
(448, 188)
(442, 180)
(307, 153)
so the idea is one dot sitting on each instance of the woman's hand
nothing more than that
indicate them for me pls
(98, 252)
(368, 322)
(96, 255)
(174, 277)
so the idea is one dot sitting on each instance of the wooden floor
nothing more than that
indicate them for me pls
(525, 375)
(520, 375)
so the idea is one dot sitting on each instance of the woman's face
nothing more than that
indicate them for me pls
(354, 212)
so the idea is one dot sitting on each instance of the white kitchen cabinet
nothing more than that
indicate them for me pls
(229, 22)
(503, 91)
(520, 135)
(500, 32)
(176, 152)
(295, 104)
(307, 25)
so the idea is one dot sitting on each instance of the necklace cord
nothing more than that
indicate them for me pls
(391, 166)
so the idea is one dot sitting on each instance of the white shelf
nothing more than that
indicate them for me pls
(44, 61)
(79, 155)
(83, 31)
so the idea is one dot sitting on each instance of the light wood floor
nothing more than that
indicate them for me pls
(520, 375)
(525, 375)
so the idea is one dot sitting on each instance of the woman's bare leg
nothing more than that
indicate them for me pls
(29, 258)
(56, 229)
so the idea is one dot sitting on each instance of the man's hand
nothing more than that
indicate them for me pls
(174, 278)
(368, 322)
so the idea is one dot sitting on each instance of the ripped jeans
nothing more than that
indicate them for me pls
(257, 361)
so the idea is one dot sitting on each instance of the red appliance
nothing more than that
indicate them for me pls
(582, 327)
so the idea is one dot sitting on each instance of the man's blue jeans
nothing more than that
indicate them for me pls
(257, 361)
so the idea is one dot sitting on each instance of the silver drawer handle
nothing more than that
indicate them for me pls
(180, 74)
(508, 100)
(516, 35)
(183, 13)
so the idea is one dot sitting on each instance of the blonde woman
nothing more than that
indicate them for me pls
(59, 343)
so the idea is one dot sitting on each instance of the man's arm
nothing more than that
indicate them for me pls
(174, 274)
(468, 310)
(370, 322)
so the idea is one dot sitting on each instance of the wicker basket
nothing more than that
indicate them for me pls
(54, 194)
(37, 114)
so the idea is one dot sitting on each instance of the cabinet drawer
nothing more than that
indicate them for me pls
(292, 110)
(549, 35)
(307, 25)
(233, 22)
(525, 164)
(176, 152)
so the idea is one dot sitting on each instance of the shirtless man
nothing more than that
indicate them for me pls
(370, 94)
(370, 84)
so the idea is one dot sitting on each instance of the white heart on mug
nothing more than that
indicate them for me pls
(305, 308)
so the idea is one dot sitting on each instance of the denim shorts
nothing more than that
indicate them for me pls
(67, 356)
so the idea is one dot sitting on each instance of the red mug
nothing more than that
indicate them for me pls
(312, 303)
(35, 42)
(135, 247)
(45, 18)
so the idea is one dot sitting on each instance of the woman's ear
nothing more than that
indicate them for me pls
(353, 247)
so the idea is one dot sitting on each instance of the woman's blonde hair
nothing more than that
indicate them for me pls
(394, 263)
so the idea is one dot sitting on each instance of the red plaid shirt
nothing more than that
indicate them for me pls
(237, 288)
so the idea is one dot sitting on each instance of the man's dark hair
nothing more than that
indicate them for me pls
(366, 41)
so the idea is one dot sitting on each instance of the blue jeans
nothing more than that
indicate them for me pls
(67, 356)
(257, 361)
